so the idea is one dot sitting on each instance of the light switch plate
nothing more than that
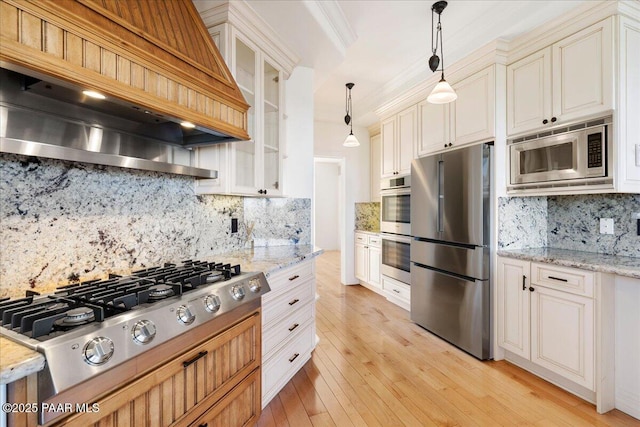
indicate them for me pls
(606, 225)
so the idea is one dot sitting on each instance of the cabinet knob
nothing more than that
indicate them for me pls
(260, 191)
(553, 119)
(531, 289)
(450, 144)
(545, 121)
(265, 191)
(445, 145)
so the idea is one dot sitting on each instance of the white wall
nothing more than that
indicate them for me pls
(328, 139)
(298, 163)
(326, 194)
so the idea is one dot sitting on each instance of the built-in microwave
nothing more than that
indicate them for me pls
(579, 154)
(395, 205)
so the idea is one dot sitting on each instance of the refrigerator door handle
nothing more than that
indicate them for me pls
(440, 195)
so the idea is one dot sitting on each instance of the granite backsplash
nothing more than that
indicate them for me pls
(570, 222)
(368, 216)
(64, 221)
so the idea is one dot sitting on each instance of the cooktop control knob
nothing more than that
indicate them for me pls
(237, 292)
(212, 303)
(185, 316)
(98, 351)
(143, 331)
(255, 285)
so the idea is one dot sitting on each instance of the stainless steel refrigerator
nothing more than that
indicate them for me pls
(451, 211)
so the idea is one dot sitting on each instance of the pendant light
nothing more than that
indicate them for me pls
(443, 93)
(351, 140)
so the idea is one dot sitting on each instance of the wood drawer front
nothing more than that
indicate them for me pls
(374, 241)
(241, 407)
(286, 361)
(397, 289)
(564, 279)
(291, 276)
(275, 308)
(273, 336)
(362, 238)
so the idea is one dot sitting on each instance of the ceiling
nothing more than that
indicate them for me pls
(383, 45)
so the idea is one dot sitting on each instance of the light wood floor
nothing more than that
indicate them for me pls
(373, 367)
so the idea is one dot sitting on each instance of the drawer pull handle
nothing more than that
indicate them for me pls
(192, 361)
(292, 278)
(396, 291)
(294, 301)
(295, 325)
(295, 356)
(558, 279)
(524, 286)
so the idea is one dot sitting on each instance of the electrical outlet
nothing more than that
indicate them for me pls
(606, 225)
(234, 225)
(636, 216)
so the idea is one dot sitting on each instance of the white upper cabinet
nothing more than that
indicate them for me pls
(472, 115)
(433, 127)
(256, 164)
(398, 134)
(529, 93)
(571, 79)
(260, 66)
(468, 119)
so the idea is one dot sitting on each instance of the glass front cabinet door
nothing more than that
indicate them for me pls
(256, 164)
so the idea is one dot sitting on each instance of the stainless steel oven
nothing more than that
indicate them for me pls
(395, 207)
(579, 154)
(396, 257)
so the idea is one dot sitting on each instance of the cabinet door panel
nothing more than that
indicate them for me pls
(388, 135)
(407, 135)
(583, 72)
(513, 306)
(375, 259)
(472, 114)
(433, 128)
(529, 92)
(361, 263)
(562, 334)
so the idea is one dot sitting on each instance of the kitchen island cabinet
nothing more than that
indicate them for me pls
(289, 328)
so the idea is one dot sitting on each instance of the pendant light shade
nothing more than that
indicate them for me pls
(443, 93)
(351, 140)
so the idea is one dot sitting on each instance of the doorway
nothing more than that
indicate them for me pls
(329, 207)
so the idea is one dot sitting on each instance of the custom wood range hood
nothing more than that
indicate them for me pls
(153, 60)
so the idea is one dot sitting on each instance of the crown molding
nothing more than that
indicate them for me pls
(330, 16)
(494, 52)
(242, 16)
(569, 23)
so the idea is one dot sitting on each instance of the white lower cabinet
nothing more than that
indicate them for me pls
(397, 292)
(547, 318)
(368, 260)
(288, 326)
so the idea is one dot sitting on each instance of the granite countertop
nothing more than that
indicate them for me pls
(18, 361)
(620, 265)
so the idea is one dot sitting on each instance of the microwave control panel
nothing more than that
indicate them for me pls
(594, 150)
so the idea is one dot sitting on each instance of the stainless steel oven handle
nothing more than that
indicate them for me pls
(396, 237)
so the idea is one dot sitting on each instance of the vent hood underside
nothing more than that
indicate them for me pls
(45, 119)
